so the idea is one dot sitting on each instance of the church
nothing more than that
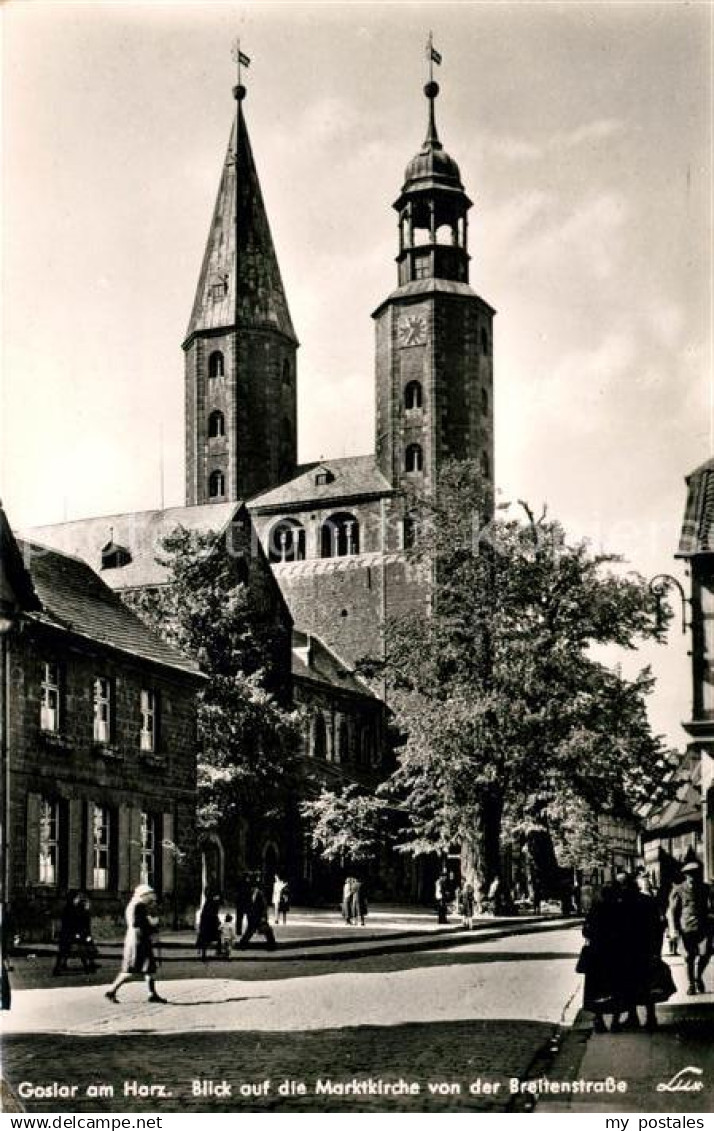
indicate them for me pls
(331, 534)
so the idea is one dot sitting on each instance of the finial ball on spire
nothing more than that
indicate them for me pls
(239, 92)
(431, 89)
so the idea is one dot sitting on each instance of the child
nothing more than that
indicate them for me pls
(228, 936)
(467, 906)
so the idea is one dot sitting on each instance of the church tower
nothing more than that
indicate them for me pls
(434, 335)
(240, 347)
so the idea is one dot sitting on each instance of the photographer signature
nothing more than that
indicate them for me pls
(684, 1081)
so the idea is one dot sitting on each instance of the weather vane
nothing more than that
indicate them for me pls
(241, 60)
(432, 55)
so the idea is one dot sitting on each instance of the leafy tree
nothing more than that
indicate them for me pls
(348, 826)
(506, 713)
(246, 733)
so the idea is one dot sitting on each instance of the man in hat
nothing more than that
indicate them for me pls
(691, 914)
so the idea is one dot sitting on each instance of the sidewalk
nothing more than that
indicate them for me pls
(317, 934)
(669, 1070)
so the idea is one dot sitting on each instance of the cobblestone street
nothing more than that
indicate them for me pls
(464, 1018)
(410, 1020)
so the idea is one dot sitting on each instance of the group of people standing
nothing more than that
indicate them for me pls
(354, 901)
(466, 900)
(624, 932)
(223, 933)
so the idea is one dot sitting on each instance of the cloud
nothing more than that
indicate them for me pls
(522, 149)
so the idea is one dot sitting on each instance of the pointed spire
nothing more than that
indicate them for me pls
(240, 282)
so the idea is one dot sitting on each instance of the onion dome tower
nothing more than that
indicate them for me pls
(434, 335)
(433, 202)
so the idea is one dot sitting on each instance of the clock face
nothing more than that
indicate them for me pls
(411, 330)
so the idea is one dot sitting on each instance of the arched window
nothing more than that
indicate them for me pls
(215, 364)
(216, 424)
(339, 536)
(414, 460)
(216, 485)
(412, 395)
(319, 737)
(485, 341)
(410, 531)
(287, 541)
(485, 465)
(484, 402)
(287, 372)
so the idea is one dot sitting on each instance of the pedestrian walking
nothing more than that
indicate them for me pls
(75, 933)
(243, 890)
(209, 926)
(598, 958)
(280, 899)
(468, 903)
(139, 959)
(691, 915)
(648, 979)
(441, 896)
(257, 918)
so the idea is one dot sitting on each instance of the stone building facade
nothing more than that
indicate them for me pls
(99, 750)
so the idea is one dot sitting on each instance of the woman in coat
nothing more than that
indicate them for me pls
(209, 926)
(599, 959)
(139, 959)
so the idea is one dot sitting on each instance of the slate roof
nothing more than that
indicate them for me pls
(313, 660)
(75, 598)
(420, 287)
(351, 477)
(139, 532)
(240, 253)
(16, 588)
(697, 535)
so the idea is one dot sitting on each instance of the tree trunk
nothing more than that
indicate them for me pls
(481, 848)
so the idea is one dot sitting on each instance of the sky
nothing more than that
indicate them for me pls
(584, 136)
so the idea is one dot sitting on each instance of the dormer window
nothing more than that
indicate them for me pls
(323, 476)
(115, 556)
(218, 289)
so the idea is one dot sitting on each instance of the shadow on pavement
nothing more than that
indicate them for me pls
(37, 975)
